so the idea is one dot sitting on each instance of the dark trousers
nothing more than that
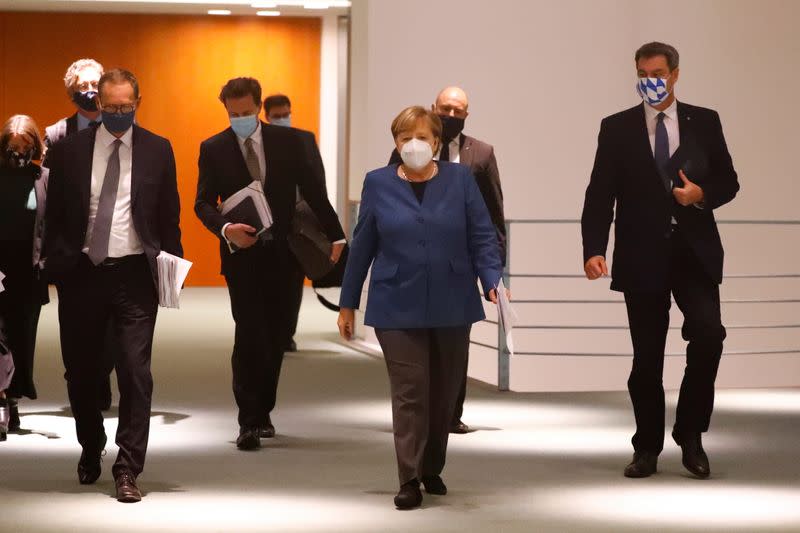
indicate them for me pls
(297, 280)
(462, 395)
(697, 296)
(87, 297)
(20, 306)
(425, 368)
(259, 291)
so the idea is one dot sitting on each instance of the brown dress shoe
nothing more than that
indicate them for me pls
(127, 491)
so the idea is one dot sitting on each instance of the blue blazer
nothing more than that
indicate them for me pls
(425, 257)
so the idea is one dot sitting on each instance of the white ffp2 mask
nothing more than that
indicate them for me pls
(416, 154)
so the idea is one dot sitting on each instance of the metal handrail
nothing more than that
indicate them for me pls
(503, 353)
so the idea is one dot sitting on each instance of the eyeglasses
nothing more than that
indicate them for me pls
(87, 86)
(117, 109)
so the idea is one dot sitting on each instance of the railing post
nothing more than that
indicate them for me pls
(503, 360)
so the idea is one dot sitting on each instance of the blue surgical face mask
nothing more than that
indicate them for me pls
(244, 126)
(118, 122)
(653, 90)
(282, 121)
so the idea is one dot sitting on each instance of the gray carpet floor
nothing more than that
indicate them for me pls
(535, 462)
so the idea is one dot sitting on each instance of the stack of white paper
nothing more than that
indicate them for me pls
(255, 191)
(2, 277)
(172, 272)
(506, 316)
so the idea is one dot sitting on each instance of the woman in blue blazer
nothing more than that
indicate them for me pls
(426, 231)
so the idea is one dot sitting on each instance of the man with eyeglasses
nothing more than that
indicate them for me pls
(112, 207)
(81, 81)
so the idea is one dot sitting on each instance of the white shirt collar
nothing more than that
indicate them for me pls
(107, 139)
(671, 112)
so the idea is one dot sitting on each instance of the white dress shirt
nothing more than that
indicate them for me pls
(123, 239)
(670, 122)
(258, 146)
(455, 150)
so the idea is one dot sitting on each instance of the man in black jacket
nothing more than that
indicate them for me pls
(112, 207)
(278, 109)
(666, 166)
(256, 272)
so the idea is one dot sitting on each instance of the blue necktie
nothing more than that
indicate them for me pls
(661, 151)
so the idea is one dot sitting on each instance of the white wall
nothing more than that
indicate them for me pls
(541, 75)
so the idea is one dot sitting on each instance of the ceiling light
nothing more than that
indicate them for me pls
(219, 11)
(268, 13)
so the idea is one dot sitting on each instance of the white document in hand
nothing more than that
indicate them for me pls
(172, 272)
(506, 316)
(2, 277)
(254, 191)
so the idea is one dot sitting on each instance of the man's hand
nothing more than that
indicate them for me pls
(595, 267)
(241, 235)
(690, 194)
(336, 252)
(493, 295)
(346, 322)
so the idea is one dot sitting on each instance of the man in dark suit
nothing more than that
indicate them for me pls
(112, 207)
(452, 106)
(666, 166)
(278, 109)
(257, 271)
(81, 81)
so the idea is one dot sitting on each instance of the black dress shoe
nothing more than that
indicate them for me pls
(644, 464)
(127, 491)
(459, 427)
(14, 423)
(89, 464)
(409, 496)
(434, 485)
(695, 459)
(249, 438)
(268, 431)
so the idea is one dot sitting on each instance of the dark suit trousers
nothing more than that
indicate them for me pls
(87, 297)
(697, 296)
(260, 295)
(297, 279)
(425, 368)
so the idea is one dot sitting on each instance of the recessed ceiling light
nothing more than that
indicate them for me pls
(219, 11)
(268, 13)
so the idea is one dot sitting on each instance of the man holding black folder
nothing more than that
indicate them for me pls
(666, 166)
(255, 266)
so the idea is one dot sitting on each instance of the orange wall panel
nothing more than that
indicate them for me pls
(181, 63)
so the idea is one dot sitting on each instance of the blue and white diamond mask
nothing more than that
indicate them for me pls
(653, 90)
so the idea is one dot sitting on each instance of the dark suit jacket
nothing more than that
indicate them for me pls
(625, 173)
(155, 206)
(314, 157)
(479, 157)
(223, 171)
(59, 130)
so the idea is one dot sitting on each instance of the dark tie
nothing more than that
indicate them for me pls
(101, 232)
(661, 151)
(252, 160)
(444, 155)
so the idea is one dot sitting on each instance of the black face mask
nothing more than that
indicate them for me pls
(19, 159)
(451, 127)
(85, 100)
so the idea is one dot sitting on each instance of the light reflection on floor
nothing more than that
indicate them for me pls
(537, 462)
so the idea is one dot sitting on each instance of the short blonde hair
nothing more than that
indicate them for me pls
(21, 125)
(408, 118)
(72, 73)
